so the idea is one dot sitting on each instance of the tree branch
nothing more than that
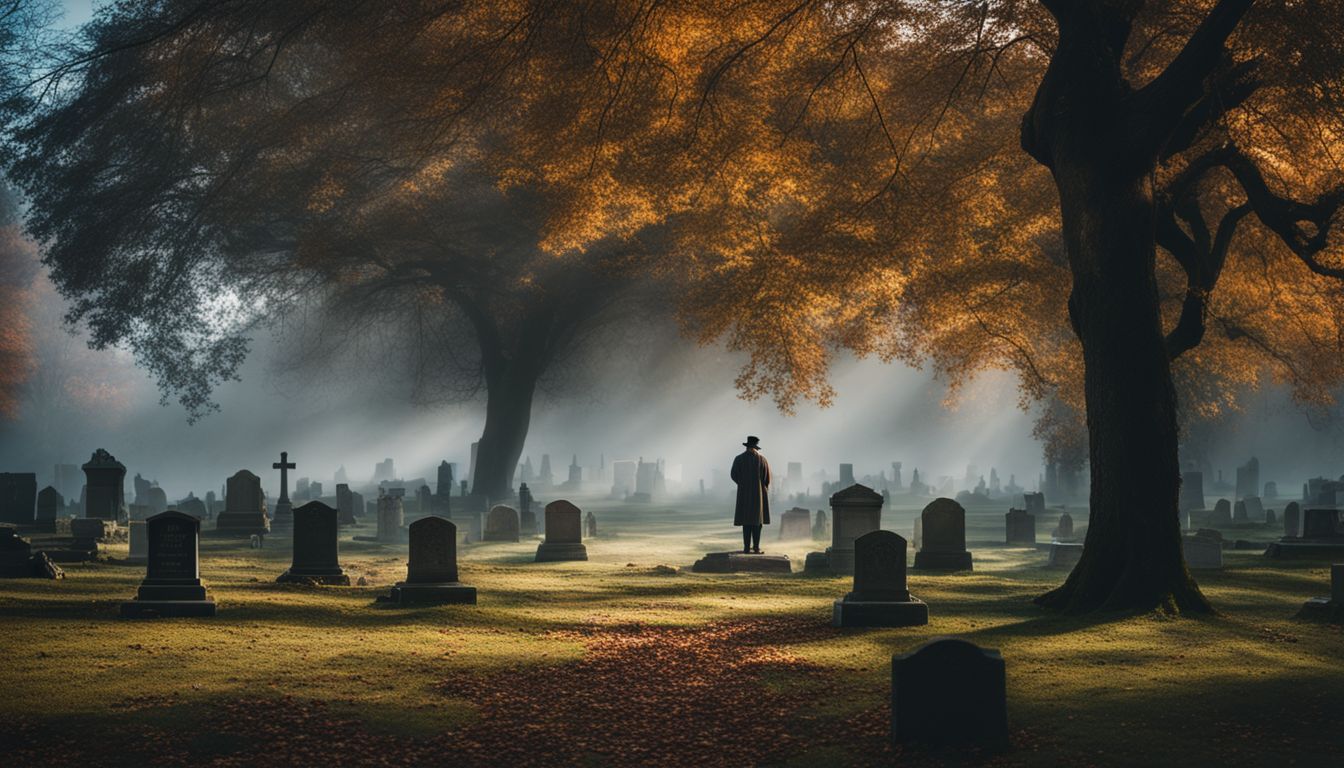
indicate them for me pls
(1165, 100)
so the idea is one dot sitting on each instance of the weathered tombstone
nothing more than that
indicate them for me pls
(794, 524)
(855, 510)
(244, 506)
(17, 560)
(105, 498)
(1035, 503)
(880, 597)
(391, 518)
(431, 570)
(316, 559)
(345, 505)
(1255, 509)
(1222, 513)
(590, 524)
(944, 526)
(172, 585)
(424, 500)
(846, 475)
(821, 528)
(1202, 552)
(527, 519)
(1320, 524)
(1021, 527)
(949, 691)
(1192, 491)
(357, 504)
(156, 499)
(139, 539)
(501, 524)
(564, 534)
(194, 507)
(1064, 554)
(49, 504)
(1064, 528)
(1239, 512)
(1292, 520)
(917, 534)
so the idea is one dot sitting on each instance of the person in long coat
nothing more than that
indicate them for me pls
(751, 472)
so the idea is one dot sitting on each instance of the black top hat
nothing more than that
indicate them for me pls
(753, 441)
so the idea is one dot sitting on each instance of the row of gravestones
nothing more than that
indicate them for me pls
(172, 584)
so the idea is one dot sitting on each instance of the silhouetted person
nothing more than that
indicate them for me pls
(751, 472)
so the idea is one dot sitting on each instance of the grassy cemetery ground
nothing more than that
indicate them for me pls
(631, 659)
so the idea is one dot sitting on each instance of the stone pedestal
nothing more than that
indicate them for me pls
(741, 562)
(283, 519)
(172, 585)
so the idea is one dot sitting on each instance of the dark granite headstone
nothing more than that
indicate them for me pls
(49, 505)
(1222, 513)
(1320, 524)
(501, 524)
(1064, 528)
(1021, 527)
(949, 691)
(527, 519)
(795, 524)
(564, 533)
(1192, 491)
(18, 497)
(944, 537)
(172, 585)
(244, 507)
(821, 527)
(880, 597)
(1292, 520)
(316, 558)
(431, 571)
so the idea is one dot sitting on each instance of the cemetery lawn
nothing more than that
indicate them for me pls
(630, 659)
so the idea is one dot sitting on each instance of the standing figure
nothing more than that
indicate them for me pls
(751, 472)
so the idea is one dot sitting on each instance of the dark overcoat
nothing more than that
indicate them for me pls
(751, 472)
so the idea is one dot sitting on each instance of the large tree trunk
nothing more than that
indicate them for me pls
(1132, 556)
(1101, 139)
(508, 411)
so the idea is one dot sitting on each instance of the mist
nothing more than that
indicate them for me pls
(648, 394)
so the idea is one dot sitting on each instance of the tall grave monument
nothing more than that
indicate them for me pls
(284, 510)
